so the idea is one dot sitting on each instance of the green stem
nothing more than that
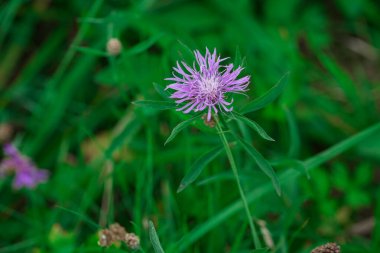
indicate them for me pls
(227, 148)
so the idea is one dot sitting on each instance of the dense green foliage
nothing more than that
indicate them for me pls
(68, 105)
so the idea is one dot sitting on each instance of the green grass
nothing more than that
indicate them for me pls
(117, 150)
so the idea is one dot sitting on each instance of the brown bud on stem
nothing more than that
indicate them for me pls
(114, 46)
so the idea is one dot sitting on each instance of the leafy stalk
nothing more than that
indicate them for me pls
(291, 173)
(154, 239)
(236, 175)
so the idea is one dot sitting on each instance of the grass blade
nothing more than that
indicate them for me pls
(295, 143)
(198, 167)
(143, 46)
(292, 163)
(157, 105)
(263, 164)
(154, 239)
(180, 127)
(81, 216)
(339, 148)
(268, 97)
(252, 124)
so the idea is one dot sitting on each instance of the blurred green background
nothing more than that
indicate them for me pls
(66, 103)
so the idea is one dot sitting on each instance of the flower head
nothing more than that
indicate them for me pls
(117, 233)
(26, 173)
(206, 86)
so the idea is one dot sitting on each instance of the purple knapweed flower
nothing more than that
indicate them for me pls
(26, 173)
(206, 86)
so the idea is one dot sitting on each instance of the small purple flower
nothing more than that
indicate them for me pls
(26, 173)
(206, 86)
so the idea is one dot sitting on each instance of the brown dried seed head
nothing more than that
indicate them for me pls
(132, 240)
(118, 232)
(330, 247)
(105, 238)
(114, 46)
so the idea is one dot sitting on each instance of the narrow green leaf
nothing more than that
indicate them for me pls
(81, 216)
(338, 148)
(197, 168)
(263, 164)
(154, 239)
(143, 46)
(252, 124)
(292, 163)
(224, 176)
(160, 90)
(268, 97)
(157, 105)
(180, 127)
(294, 144)
(187, 52)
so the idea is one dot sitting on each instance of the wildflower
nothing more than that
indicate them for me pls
(206, 86)
(26, 173)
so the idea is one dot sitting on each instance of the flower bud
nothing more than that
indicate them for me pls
(114, 46)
